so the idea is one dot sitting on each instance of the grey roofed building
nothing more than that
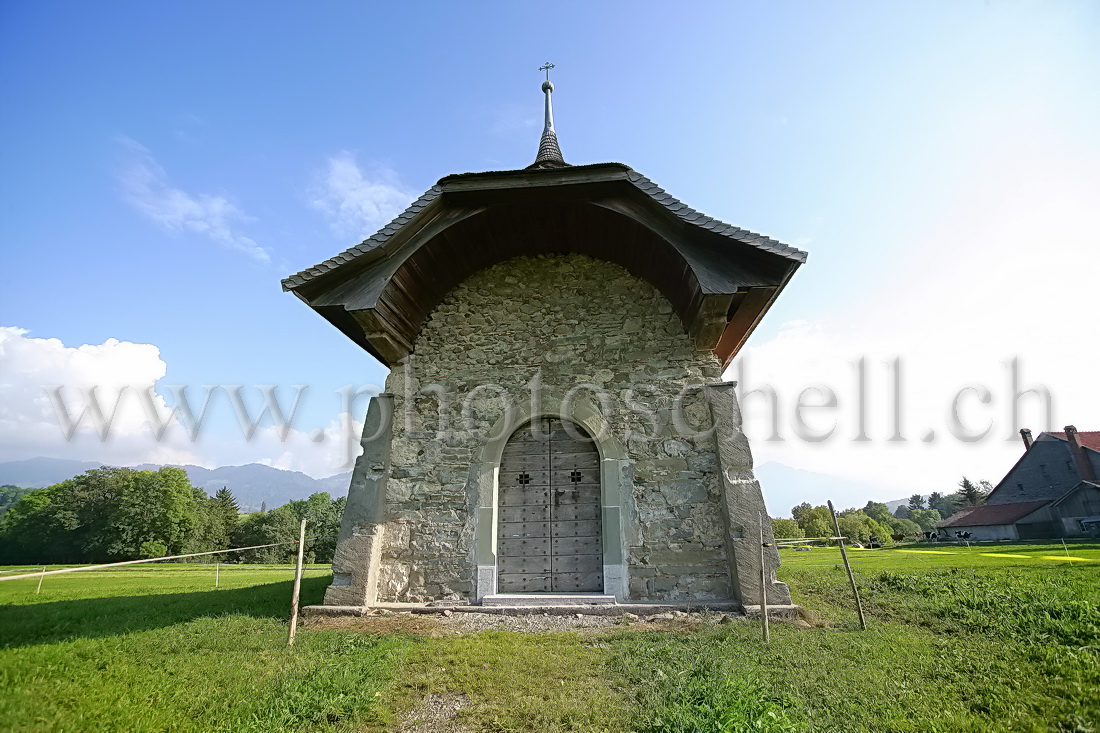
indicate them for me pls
(1051, 491)
(508, 305)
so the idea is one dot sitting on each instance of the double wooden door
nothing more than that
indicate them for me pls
(549, 532)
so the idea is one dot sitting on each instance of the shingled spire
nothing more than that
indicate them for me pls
(549, 153)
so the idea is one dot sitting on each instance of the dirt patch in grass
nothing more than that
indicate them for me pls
(435, 714)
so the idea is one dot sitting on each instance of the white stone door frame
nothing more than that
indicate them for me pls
(616, 494)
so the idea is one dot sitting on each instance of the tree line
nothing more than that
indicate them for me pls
(114, 514)
(875, 519)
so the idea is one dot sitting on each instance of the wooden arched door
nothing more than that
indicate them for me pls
(549, 531)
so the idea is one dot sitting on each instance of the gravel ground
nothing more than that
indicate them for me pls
(458, 622)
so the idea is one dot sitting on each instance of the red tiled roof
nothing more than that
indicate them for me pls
(991, 514)
(1090, 439)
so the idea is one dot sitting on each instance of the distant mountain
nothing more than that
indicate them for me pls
(893, 505)
(254, 484)
(785, 487)
(34, 473)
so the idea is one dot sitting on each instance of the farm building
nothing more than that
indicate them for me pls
(1052, 491)
(554, 427)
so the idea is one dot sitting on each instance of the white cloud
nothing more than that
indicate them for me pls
(358, 202)
(31, 426)
(145, 186)
(334, 453)
(1006, 271)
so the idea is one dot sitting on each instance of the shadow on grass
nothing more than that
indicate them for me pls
(92, 618)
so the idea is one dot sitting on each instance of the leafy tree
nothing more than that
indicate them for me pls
(155, 507)
(122, 514)
(973, 494)
(29, 531)
(224, 516)
(282, 524)
(916, 501)
(880, 513)
(322, 516)
(927, 519)
(858, 527)
(10, 494)
(945, 505)
(786, 529)
(907, 527)
(103, 514)
(152, 549)
(66, 522)
(800, 511)
(902, 512)
(815, 521)
(266, 528)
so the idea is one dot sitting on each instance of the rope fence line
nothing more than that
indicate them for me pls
(298, 570)
(147, 560)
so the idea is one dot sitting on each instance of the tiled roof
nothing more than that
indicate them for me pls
(690, 215)
(1090, 439)
(549, 153)
(675, 206)
(992, 514)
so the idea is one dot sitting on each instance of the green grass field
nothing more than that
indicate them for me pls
(996, 637)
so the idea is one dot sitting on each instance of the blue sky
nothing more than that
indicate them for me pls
(164, 165)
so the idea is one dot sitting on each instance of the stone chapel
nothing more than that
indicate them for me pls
(555, 428)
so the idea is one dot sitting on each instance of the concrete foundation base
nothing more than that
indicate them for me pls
(603, 609)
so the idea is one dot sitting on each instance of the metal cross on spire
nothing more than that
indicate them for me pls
(549, 155)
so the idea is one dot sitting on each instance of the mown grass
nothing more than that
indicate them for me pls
(518, 682)
(955, 642)
(157, 649)
(981, 644)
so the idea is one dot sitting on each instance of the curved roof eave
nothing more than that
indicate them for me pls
(677, 208)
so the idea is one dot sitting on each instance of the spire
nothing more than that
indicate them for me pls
(549, 153)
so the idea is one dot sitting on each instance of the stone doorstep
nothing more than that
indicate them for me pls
(609, 609)
(548, 599)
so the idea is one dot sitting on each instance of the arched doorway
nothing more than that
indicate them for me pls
(549, 528)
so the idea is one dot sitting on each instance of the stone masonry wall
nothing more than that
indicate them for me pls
(559, 320)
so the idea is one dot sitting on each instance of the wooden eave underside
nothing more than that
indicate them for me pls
(380, 298)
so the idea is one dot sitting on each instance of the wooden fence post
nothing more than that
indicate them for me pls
(217, 573)
(847, 565)
(43, 575)
(763, 586)
(297, 587)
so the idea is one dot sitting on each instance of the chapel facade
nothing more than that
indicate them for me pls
(555, 425)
